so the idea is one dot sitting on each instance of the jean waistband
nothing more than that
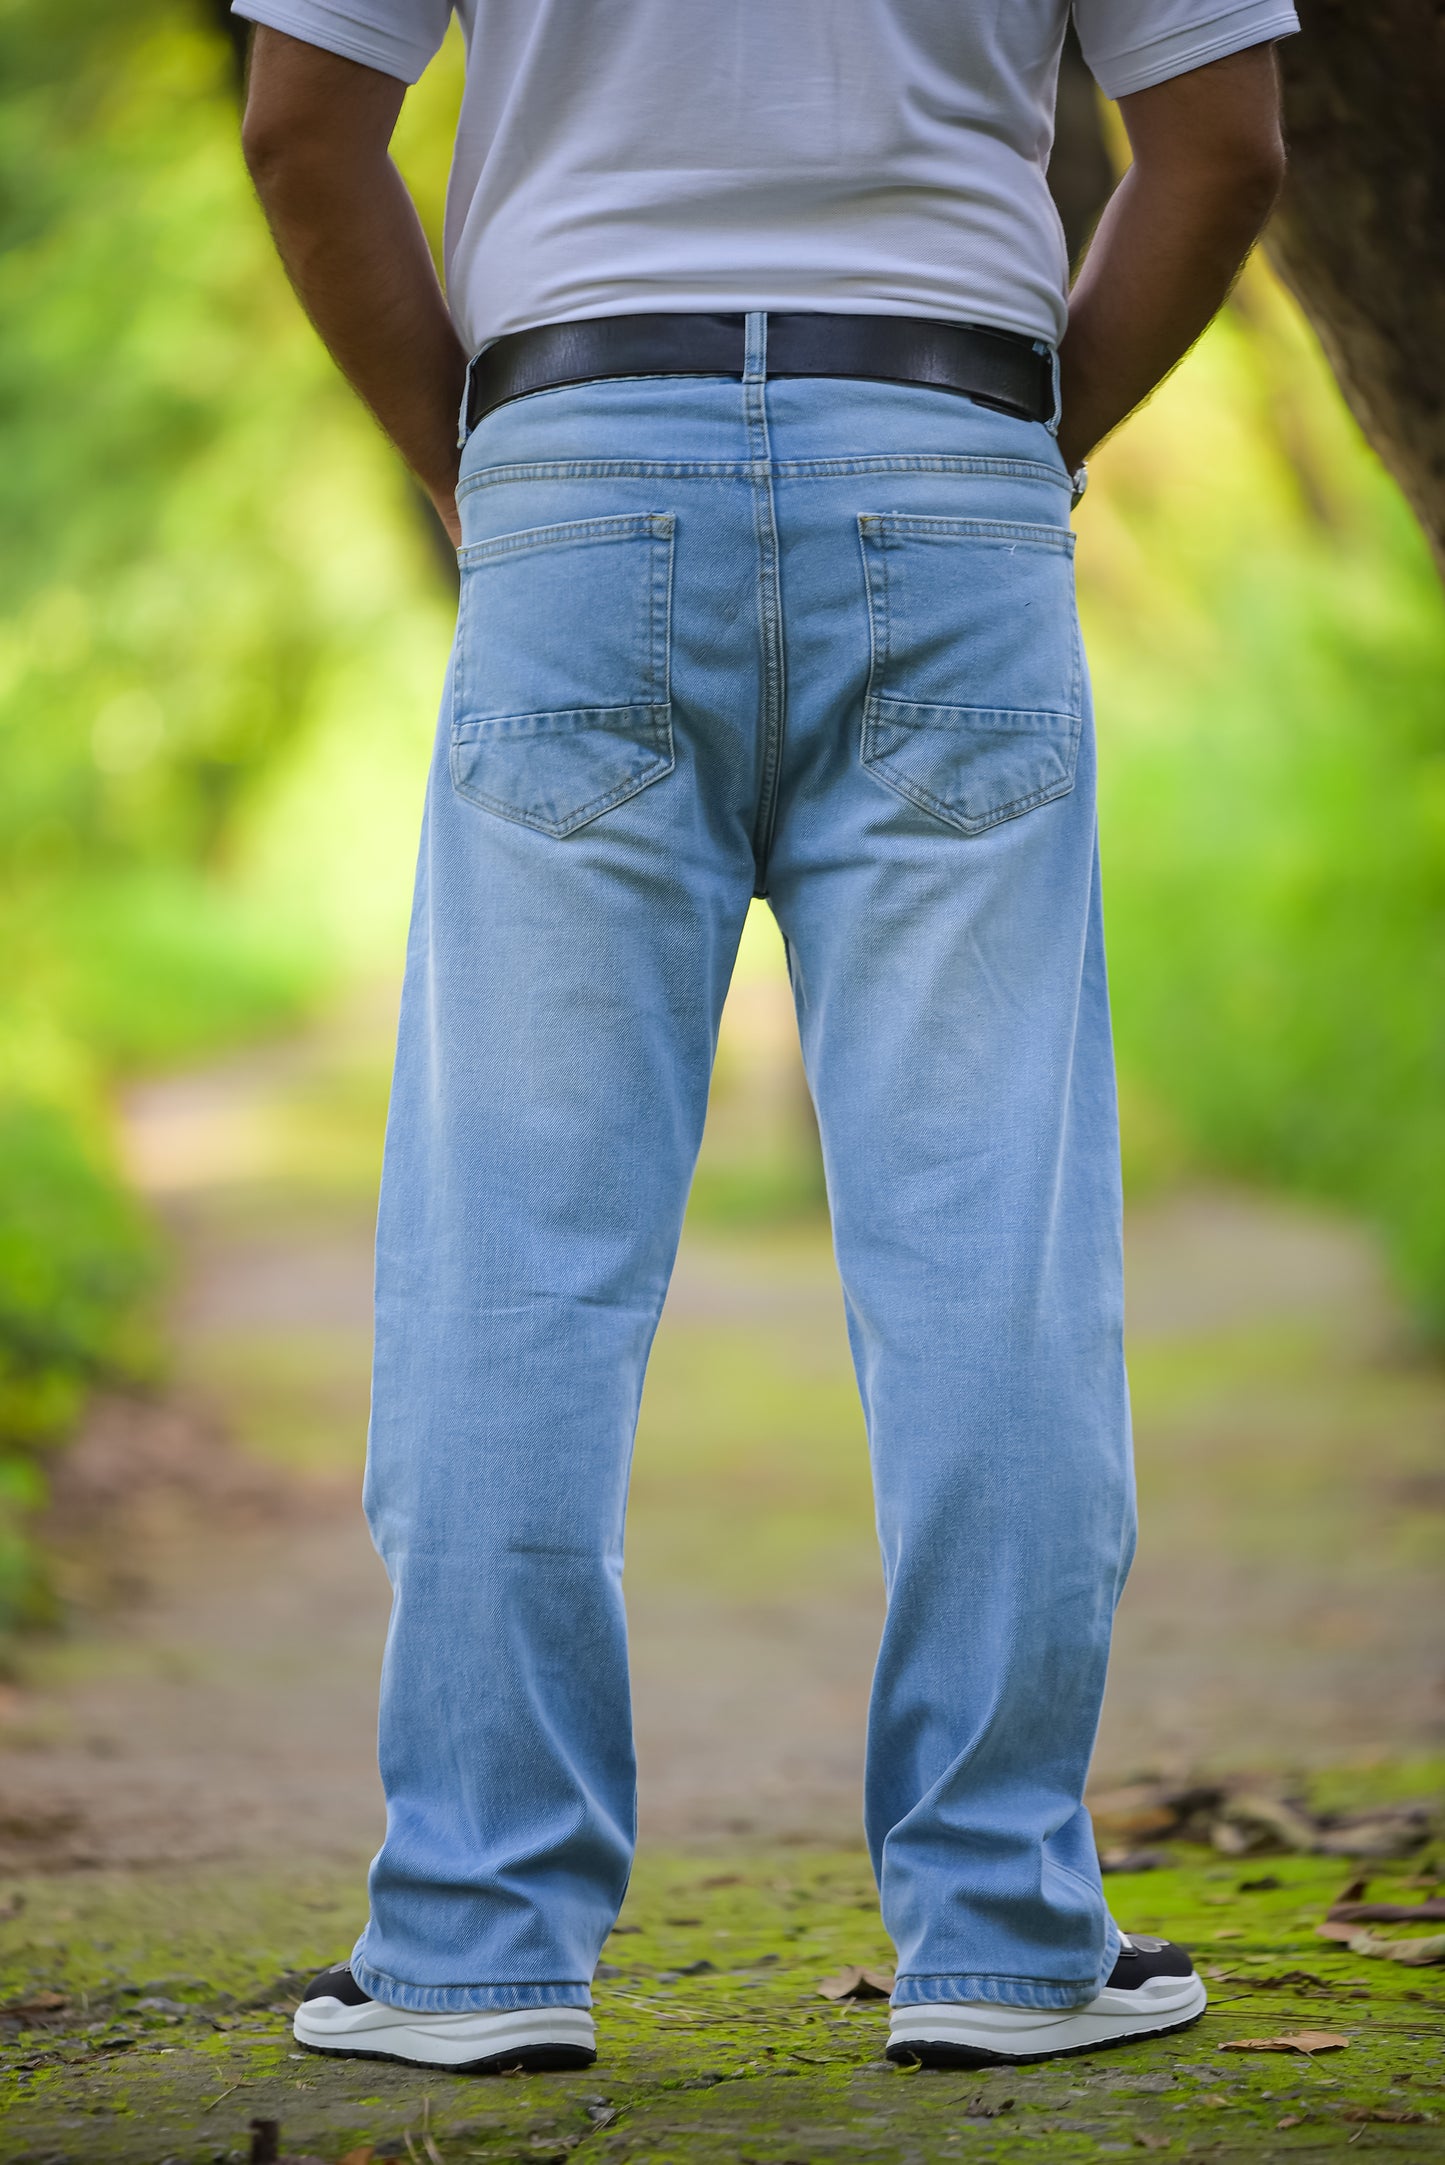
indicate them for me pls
(998, 368)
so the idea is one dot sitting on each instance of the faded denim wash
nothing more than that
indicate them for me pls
(814, 641)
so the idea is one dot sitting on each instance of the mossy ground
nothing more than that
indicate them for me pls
(715, 2043)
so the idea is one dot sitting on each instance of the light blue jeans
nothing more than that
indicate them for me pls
(814, 641)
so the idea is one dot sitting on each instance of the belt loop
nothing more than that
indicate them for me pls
(466, 405)
(1051, 354)
(755, 353)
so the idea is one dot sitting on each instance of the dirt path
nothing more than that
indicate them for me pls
(216, 1700)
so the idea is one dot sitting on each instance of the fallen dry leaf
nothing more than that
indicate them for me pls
(39, 2003)
(358, 2157)
(1237, 1841)
(1146, 1819)
(1230, 1931)
(1376, 1833)
(1430, 1912)
(1152, 2142)
(1305, 2041)
(1252, 1821)
(1393, 2115)
(854, 1983)
(1416, 1954)
(1291, 2119)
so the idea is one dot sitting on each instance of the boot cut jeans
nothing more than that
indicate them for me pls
(815, 641)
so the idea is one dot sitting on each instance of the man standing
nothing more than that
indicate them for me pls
(766, 590)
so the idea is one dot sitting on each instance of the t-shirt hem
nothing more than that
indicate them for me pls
(318, 26)
(1184, 50)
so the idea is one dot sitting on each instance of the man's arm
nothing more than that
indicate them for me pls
(1208, 162)
(315, 136)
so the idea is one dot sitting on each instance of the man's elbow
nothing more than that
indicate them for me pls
(312, 116)
(1214, 135)
(276, 146)
(1232, 182)
(1256, 175)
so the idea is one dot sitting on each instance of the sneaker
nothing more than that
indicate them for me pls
(1153, 1987)
(336, 2016)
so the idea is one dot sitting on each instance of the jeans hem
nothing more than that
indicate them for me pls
(465, 1999)
(928, 1991)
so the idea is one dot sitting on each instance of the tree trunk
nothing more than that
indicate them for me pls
(1358, 235)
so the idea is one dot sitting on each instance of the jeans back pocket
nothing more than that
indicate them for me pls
(561, 705)
(974, 700)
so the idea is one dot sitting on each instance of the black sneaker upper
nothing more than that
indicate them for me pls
(1146, 1958)
(337, 1984)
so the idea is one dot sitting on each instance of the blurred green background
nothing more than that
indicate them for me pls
(222, 630)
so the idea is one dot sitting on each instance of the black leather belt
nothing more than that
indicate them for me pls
(998, 368)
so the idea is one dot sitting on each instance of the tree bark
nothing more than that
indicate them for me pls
(1359, 236)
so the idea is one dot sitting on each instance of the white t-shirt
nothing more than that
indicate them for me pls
(876, 156)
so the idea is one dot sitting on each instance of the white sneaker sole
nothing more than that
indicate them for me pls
(537, 2039)
(971, 2034)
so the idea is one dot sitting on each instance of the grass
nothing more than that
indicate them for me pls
(715, 2043)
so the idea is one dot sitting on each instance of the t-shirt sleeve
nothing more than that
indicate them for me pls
(396, 37)
(1133, 44)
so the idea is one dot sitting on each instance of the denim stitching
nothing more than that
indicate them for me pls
(770, 626)
(624, 526)
(660, 659)
(936, 1991)
(941, 462)
(464, 1999)
(880, 631)
(1058, 538)
(663, 762)
(742, 470)
(907, 787)
(877, 533)
(658, 527)
(618, 716)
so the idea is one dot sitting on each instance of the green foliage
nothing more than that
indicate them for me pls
(198, 533)
(74, 1255)
(1269, 646)
(73, 1250)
